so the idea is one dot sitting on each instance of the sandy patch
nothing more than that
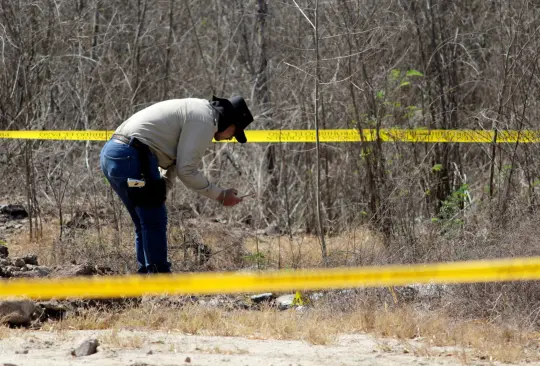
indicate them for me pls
(25, 348)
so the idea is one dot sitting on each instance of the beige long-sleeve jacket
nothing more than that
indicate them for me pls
(178, 131)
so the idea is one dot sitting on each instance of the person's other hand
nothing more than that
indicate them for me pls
(229, 197)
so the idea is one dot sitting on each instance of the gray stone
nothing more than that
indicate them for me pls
(16, 312)
(25, 274)
(23, 352)
(42, 271)
(262, 297)
(272, 229)
(31, 259)
(76, 270)
(285, 301)
(4, 252)
(302, 309)
(14, 212)
(215, 302)
(87, 348)
(4, 261)
(13, 269)
(18, 262)
(316, 296)
(52, 309)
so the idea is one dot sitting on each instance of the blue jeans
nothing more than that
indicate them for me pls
(119, 162)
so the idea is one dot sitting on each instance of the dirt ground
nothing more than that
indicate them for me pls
(146, 348)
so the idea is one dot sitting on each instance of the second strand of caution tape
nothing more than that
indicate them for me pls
(317, 279)
(338, 135)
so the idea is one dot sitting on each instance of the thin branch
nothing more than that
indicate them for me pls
(304, 14)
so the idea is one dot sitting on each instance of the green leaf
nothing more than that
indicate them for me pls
(395, 74)
(413, 72)
(437, 167)
(380, 94)
(405, 83)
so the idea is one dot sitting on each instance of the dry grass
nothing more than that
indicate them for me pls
(117, 340)
(105, 247)
(419, 332)
(321, 325)
(232, 248)
(497, 342)
(356, 247)
(223, 351)
(5, 332)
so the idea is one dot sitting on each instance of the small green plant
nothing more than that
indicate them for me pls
(403, 79)
(436, 167)
(256, 258)
(393, 99)
(3, 243)
(451, 207)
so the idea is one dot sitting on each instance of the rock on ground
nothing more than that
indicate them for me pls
(266, 297)
(74, 270)
(14, 212)
(87, 348)
(285, 301)
(16, 312)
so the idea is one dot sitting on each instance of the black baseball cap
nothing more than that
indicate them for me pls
(234, 111)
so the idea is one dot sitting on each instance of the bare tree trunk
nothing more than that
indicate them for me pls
(324, 251)
(168, 51)
(141, 16)
(199, 48)
(263, 98)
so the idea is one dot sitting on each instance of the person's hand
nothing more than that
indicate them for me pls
(229, 197)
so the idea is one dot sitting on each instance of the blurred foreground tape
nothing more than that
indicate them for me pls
(318, 279)
(344, 135)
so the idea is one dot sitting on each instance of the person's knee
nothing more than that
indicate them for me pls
(152, 219)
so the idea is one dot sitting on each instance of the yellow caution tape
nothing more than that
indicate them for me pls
(58, 135)
(342, 135)
(241, 282)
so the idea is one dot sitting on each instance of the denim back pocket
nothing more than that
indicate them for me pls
(120, 161)
(119, 167)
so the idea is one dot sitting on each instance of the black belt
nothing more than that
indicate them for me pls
(136, 143)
